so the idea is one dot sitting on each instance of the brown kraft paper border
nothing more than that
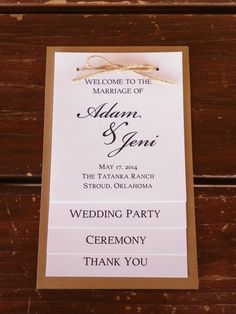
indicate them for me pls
(44, 282)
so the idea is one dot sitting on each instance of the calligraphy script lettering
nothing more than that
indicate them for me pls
(113, 132)
(101, 112)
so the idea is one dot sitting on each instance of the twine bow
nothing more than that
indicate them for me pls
(109, 66)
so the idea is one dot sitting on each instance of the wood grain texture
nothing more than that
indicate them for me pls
(216, 225)
(116, 3)
(23, 41)
(212, 42)
(116, 6)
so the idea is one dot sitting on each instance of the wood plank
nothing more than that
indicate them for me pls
(115, 6)
(23, 40)
(75, 308)
(20, 215)
(24, 236)
(216, 223)
(18, 261)
(117, 3)
(213, 205)
(118, 296)
(210, 283)
(216, 275)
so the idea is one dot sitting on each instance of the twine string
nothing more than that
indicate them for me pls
(109, 66)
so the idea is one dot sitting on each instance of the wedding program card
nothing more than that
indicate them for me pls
(117, 207)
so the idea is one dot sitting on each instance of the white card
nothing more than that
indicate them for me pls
(80, 145)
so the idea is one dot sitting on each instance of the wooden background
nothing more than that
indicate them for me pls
(209, 29)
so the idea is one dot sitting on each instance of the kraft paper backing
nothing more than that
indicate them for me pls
(44, 282)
